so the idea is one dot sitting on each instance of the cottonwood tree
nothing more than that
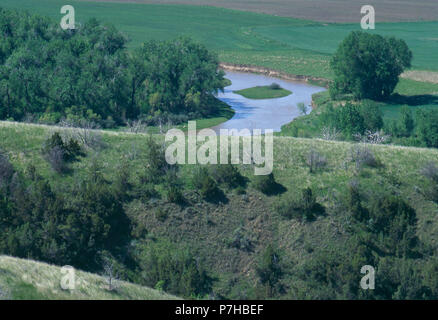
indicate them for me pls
(369, 65)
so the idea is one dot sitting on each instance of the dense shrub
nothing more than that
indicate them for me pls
(177, 269)
(205, 184)
(58, 152)
(227, 174)
(349, 119)
(270, 271)
(427, 127)
(155, 162)
(274, 86)
(372, 115)
(265, 183)
(6, 169)
(173, 186)
(302, 208)
(87, 75)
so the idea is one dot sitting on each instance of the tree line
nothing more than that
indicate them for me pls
(48, 74)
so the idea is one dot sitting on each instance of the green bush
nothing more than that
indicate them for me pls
(227, 174)
(265, 183)
(155, 162)
(427, 127)
(302, 208)
(274, 86)
(177, 270)
(206, 186)
(161, 214)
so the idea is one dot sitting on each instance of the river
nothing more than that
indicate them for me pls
(266, 113)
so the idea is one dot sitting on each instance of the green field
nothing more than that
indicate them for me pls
(286, 44)
(263, 92)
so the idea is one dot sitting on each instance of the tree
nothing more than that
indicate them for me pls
(427, 127)
(368, 65)
(406, 122)
(303, 108)
(269, 270)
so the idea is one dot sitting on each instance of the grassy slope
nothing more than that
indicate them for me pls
(30, 280)
(207, 227)
(263, 92)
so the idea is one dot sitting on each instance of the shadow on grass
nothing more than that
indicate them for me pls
(417, 100)
(217, 197)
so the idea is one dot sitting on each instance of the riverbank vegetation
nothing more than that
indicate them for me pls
(395, 115)
(49, 75)
(272, 91)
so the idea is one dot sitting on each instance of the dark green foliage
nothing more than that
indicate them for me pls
(265, 184)
(37, 222)
(269, 270)
(353, 204)
(6, 169)
(352, 119)
(274, 86)
(161, 214)
(406, 122)
(372, 115)
(349, 119)
(176, 269)
(404, 126)
(48, 74)
(180, 77)
(155, 162)
(394, 218)
(58, 153)
(228, 175)
(427, 127)
(206, 185)
(304, 207)
(368, 65)
(173, 187)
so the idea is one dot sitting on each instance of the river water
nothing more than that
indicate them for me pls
(267, 113)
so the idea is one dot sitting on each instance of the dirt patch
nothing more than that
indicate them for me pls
(322, 10)
(422, 76)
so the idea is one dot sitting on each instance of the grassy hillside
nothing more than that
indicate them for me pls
(248, 216)
(286, 44)
(32, 280)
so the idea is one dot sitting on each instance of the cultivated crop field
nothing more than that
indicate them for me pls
(334, 10)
